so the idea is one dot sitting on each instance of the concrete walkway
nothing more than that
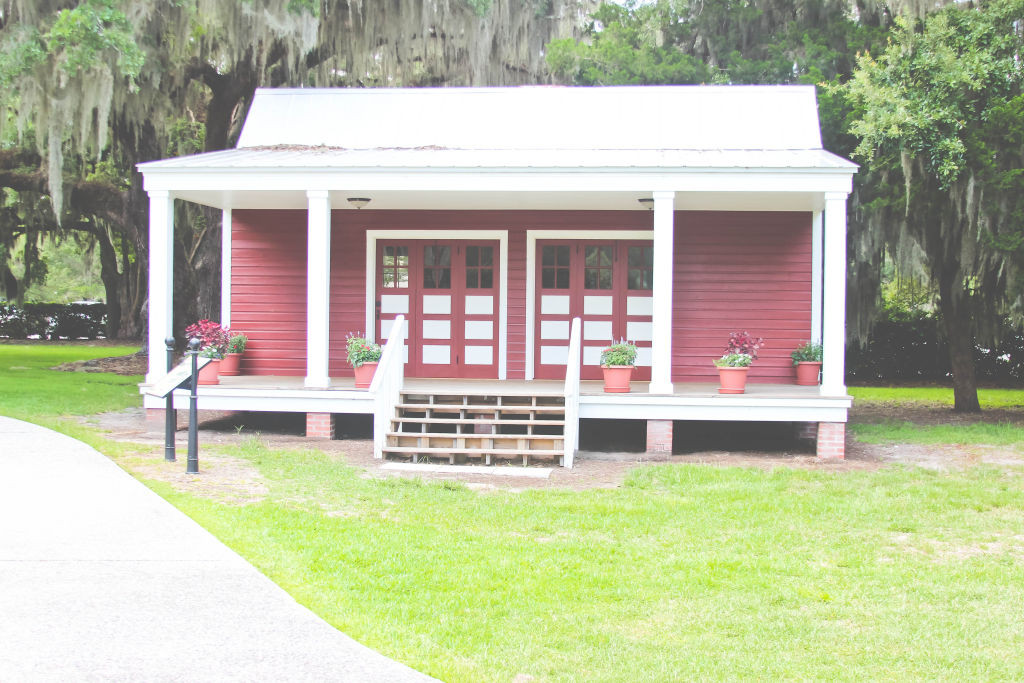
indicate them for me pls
(101, 579)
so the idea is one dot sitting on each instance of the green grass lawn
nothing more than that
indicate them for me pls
(30, 390)
(989, 398)
(901, 431)
(686, 572)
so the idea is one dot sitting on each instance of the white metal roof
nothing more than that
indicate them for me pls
(662, 127)
(317, 158)
(538, 117)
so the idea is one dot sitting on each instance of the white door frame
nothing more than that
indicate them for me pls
(501, 236)
(531, 270)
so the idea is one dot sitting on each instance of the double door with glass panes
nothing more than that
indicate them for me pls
(608, 285)
(448, 292)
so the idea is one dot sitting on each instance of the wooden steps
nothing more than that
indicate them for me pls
(484, 427)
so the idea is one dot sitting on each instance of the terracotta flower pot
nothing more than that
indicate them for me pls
(364, 375)
(616, 378)
(229, 365)
(807, 373)
(733, 380)
(208, 374)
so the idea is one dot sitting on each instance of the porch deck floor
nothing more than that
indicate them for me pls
(522, 387)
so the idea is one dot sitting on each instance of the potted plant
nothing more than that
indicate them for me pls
(740, 352)
(210, 373)
(363, 356)
(617, 363)
(229, 366)
(807, 359)
(213, 343)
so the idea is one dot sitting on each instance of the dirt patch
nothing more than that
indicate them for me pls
(234, 481)
(134, 364)
(874, 413)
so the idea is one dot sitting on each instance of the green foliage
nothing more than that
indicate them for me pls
(938, 95)
(81, 35)
(619, 353)
(934, 396)
(734, 360)
(359, 350)
(808, 352)
(480, 7)
(237, 342)
(186, 136)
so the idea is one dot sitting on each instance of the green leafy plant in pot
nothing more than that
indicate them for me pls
(740, 352)
(363, 355)
(807, 359)
(231, 365)
(617, 363)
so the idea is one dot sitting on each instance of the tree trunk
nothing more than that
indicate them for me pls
(956, 319)
(111, 285)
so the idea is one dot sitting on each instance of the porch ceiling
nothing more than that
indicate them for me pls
(507, 201)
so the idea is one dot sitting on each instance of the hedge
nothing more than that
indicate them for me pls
(53, 321)
(916, 351)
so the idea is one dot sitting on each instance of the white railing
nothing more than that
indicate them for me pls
(571, 431)
(386, 386)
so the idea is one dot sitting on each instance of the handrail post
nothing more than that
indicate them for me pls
(571, 431)
(387, 385)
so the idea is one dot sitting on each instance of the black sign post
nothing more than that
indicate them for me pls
(192, 466)
(170, 415)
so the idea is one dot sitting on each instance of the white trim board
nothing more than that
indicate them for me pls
(531, 270)
(501, 236)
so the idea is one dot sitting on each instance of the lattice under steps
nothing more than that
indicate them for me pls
(461, 427)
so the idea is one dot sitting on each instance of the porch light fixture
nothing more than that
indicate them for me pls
(646, 202)
(359, 202)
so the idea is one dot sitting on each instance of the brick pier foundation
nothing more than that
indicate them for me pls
(832, 440)
(319, 425)
(659, 437)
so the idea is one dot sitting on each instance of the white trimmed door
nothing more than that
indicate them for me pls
(448, 290)
(608, 285)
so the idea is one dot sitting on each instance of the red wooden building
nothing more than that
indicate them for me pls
(484, 222)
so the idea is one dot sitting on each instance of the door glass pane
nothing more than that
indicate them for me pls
(472, 278)
(597, 269)
(479, 268)
(472, 256)
(563, 254)
(437, 272)
(641, 268)
(487, 278)
(562, 279)
(395, 267)
(547, 278)
(547, 256)
(487, 256)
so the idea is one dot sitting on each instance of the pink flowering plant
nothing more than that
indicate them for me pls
(619, 354)
(740, 351)
(213, 339)
(359, 350)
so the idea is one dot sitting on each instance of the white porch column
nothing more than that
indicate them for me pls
(225, 268)
(318, 272)
(816, 282)
(661, 344)
(161, 281)
(834, 309)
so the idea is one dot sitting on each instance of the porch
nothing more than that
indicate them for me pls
(688, 400)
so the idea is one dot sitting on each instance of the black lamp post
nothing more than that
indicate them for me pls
(192, 466)
(170, 416)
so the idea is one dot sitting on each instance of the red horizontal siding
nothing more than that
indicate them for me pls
(737, 271)
(268, 289)
(733, 271)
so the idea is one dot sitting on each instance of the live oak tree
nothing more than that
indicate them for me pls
(90, 88)
(940, 120)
